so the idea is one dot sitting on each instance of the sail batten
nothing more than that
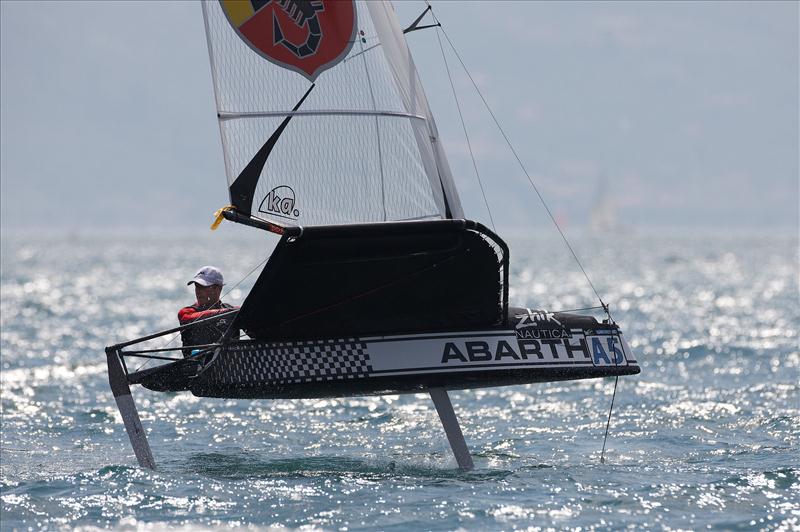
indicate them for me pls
(228, 115)
(360, 148)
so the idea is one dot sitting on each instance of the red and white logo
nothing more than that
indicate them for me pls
(307, 36)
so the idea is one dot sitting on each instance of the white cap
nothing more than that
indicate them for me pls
(207, 276)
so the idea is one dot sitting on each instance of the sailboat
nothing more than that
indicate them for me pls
(379, 284)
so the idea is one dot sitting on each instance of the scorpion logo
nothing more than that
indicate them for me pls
(307, 36)
(302, 13)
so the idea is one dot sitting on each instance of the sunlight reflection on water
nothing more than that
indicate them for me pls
(706, 435)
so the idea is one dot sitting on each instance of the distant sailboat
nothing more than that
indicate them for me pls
(603, 215)
(604, 218)
(378, 284)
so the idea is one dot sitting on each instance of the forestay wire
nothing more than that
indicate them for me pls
(516, 156)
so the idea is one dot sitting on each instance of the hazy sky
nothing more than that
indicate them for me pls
(687, 112)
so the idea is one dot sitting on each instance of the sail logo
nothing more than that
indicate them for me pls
(307, 36)
(280, 201)
(536, 318)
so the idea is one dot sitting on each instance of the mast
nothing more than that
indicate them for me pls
(407, 79)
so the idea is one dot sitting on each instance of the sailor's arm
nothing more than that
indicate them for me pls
(190, 314)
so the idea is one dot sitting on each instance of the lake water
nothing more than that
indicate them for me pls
(707, 436)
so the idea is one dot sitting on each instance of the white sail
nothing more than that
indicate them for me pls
(361, 147)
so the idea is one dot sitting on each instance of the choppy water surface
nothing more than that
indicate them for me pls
(707, 436)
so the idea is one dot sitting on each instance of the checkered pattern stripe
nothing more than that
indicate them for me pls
(293, 362)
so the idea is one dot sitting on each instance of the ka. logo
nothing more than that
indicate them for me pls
(280, 202)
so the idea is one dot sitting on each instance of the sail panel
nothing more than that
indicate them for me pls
(334, 182)
(359, 147)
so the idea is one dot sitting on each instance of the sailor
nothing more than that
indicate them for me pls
(208, 284)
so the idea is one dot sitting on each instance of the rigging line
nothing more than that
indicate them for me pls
(248, 274)
(363, 51)
(464, 127)
(608, 422)
(525, 171)
(578, 309)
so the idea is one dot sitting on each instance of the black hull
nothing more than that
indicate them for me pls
(175, 377)
(402, 385)
(542, 347)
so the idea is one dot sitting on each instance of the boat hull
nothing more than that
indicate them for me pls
(540, 347)
(417, 383)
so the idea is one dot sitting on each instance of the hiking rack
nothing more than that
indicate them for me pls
(120, 378)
